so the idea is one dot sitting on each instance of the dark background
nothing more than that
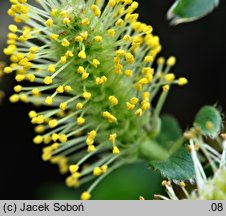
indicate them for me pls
(200, 51)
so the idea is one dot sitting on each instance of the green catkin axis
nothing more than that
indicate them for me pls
(90, 64)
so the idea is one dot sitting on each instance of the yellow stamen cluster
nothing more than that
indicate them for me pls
(94, 65)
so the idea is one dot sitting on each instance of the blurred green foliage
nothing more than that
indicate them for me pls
(127, 183)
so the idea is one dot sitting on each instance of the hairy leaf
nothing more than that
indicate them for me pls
(190, 10)
(177, 167)
(170, 131)
(209, 121)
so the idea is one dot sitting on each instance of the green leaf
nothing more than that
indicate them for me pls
(177, 167)
(190, 10)
(170, 131)
(209, 121)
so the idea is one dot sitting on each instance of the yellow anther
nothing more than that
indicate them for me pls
(115, 150)
(118, 69)
(76, 175)
(128, 73)
(47, 139)
(113, 100)
(54, 12)
(85, 196)
(112, 138)
(146, 95)
(64, 13)
(104, 79)
(35, 91)
(134, 5)
(164, 183)
(63, 59)
(104, 168)
(91, 148)
(130, 106)
(31, 56)
(18, 88)
(53, 123)
(46, 156)
(48, 80)
(55, 146)
(73, 168)
(60, 89)
(169, 77)
(66, 21)
(19, 77)
(109, 117)
(120, 53)
(98, 38)
(78, 38)
(82, 54)
(182, 184)
(143, 81)
(96, 63)
(79, 106)
(40, 129)
(119, 22)
(134, 100)
(54, 36)
(96, 10)
(139, 112)
(161, 61)
(13, 28)
(127, 38)
(67, 88)
(38, 139)
(71, 181)
(14, 98)
(52, 68)
(32, 114)
(84, 35)
(49, 100)
(24, 98)
(8, 70)
(97, 171)
(92, 134)
(63, 106)
(49, 22)
(129, 58)
(166, 88)
(40, 119)
(112, 3)
(147, 71)
(111, 32)
(55, 137)
(85, 22)
(81, 121)
(182, 81)
(81, 70)
(89, 141)
(87, 95)
(171, 61)
(12, 36)
(69, 53)
(62, 138)
(148, 59)
(85, 75)
(65, 43)
(33, 49)
(99, 81)
(145, 105)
